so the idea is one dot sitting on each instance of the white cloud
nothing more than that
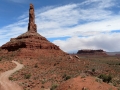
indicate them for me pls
(61, 19)
(107, 42)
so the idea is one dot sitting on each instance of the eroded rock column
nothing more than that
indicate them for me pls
(31, 25)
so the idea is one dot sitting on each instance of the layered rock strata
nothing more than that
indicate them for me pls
(31, 39)
(91, 52)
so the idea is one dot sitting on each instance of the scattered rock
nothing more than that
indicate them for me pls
(77, 57)
(84, 88)
(70, 57)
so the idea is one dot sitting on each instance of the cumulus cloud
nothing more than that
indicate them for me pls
(75, 19)
(83, 23)
(107, 42)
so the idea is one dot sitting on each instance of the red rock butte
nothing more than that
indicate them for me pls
(91, 52)
(31, 39)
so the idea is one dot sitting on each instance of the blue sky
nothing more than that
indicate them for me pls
(70, 24)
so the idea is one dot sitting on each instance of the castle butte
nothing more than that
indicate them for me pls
(91, 52)
(31, 40)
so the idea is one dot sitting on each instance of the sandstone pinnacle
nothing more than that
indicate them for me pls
(32, 27)
(30, 40)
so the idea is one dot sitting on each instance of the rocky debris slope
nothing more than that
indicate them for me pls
(29, 40)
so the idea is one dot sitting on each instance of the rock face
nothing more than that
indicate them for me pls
(31, 25)
(31, 39)
(91, 52)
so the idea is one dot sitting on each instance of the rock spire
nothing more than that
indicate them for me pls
(32, 27)
(30, 40)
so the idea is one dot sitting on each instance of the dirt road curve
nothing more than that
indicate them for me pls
(5, 83)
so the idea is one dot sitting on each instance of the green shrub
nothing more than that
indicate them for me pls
(1, 58)
(10, 78)
(93, 70)
(105, 78)
(36, 66)
(27, 76)
(54, 86)
(66, 77)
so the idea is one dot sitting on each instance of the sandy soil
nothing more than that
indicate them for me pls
(5, 83)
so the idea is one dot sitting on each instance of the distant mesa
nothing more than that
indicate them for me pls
(91, 52)
(31, 39)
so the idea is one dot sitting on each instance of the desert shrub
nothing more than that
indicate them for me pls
(105, 78)
(118, 88)
(27, 76)
(93, 70)
(116, 81)
(10, 78)
(110, 88)
(99, 80)
(0, 58)
(54, 86)
(42, 87)
(36, 66)
(43, 81)
(66, 77)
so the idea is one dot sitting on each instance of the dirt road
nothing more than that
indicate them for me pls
(5, 83)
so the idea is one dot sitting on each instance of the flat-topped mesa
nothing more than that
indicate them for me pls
(32, 27)
(91, 52)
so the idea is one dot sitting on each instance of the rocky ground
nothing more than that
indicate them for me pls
(85, 83)
(44, 71)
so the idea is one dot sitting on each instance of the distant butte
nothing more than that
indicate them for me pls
(91, 52)
(31, 39)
